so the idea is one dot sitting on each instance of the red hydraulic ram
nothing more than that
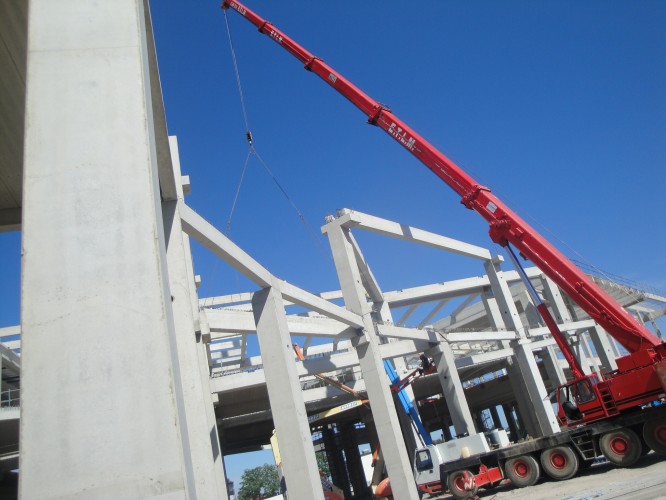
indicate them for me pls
(505, 226)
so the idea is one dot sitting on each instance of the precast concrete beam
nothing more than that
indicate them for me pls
(224, 321)
(286, 399)
(210, 237)
(358, 220)
(435, 292)
(400, 332)
(322, 306)
(564, 327)
(403, 348)
(452, 337)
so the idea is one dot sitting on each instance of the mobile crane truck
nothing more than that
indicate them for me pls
(610, 416)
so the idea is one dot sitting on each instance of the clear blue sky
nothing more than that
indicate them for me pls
(558, 106)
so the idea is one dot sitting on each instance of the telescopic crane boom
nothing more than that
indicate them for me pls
(506, 228)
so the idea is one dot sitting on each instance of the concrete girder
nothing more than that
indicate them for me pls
(224, 321)
(353, 219)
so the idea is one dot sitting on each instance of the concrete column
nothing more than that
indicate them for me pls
(535, 390)
(102, 412)
(513, 428)
(604, 348)
(336, 462)
(353, 460)
(553, 297)
(589, 354)
(552, 365)
(496, 418)
(452, 389)
(377, 383)
(204, 445)
(290, 418)
(581, 354)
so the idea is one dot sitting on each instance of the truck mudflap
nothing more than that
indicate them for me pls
(488, 476)
(431, 488)
(465, 484)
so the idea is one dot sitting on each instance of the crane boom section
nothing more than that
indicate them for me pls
(505, 225)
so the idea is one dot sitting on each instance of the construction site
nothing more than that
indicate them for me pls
(130, 377)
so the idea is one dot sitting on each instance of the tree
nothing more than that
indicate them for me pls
(322, 463)
(263, 480)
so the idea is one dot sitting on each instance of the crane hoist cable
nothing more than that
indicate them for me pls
(253, 151)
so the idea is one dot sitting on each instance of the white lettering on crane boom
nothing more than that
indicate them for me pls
(401, 136)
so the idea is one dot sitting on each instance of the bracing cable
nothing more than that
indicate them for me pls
(253, 151)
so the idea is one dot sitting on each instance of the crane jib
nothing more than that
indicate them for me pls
(505, 226)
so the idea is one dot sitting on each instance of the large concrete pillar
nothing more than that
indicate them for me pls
(299, 463)
(452, 389)
(535, 394)
(102, 412)
(368, 351)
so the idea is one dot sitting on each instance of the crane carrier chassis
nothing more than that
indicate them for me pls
(622, 440)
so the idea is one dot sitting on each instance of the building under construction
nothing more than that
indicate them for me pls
(122, 382)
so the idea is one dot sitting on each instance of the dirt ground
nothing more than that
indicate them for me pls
(645, 480)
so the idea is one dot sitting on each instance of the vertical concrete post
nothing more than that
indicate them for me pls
(581, 354)
(541, 407)
(204, 448)
(376, 381)
(452, 389)
(554, 299)
(284, 393)
(535, 394)
(604, 348)
(553, 368)
(585, 347)
(106, 420)
(496, 419)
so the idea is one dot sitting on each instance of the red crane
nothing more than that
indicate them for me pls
(646, 351)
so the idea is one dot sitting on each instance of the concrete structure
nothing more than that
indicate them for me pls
(133, 386)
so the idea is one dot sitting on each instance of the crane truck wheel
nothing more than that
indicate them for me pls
(654, 433)
(523, 470)
(621, 447)
(560, 462)
(461, 484)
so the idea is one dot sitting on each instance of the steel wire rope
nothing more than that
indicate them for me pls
(253, 151)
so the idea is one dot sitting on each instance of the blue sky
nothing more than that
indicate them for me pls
(557, 106)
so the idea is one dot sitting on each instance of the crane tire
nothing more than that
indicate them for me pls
(523, 470)
(654, 433)
(621, 447)
(461, 486)
(559, 462)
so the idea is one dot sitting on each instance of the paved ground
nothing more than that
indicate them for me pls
(645, 480)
